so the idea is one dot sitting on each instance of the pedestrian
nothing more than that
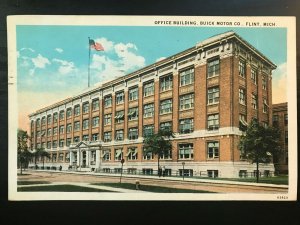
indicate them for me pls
(163, 170)
(159, 171)
(60, 167)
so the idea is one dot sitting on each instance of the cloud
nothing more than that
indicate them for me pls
(59, 50)
(107, 45)
(18, 54)
(123, 59)
(29, 49)
(40, 61)
(159, 59)
(279, 86)
(65, 66)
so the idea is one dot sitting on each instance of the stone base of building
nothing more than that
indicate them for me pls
(189, 169)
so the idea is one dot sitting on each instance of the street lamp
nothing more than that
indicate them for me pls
(183, 163)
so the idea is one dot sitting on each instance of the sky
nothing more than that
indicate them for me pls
(52, 61)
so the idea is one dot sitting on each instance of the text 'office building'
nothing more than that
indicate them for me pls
(202, 94)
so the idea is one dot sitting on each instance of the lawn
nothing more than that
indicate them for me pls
(25, 182)
(61, 188)
(150, 188)
(267, 180)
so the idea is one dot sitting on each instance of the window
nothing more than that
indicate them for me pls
(212, 173)
(93, 157)
(133, 113)
(242, 96)
(148, 130)
(275, 120)
(148, 89)
(186, 172)
(77, 110)
(54, 130)
(166, 83)
(68, 142)
(61, 115)
(43, 145)
(85, 107)
(254, 75)
(55, 117)
(54, 144)
(133, 94)
(264, 83)
(120, 97)
(242, 121)
(107, 119)
(95, 121)
(133, 133)
(38, 133)
(49, 119)
(69, 112)
(166, 106)
(186, 151)
(118, 154)
(187, 77)
(85, 124)
(147, 171)
(61, 157)
(67, 159)
(285, 119)
(38, 123)
(49, 132)
(186, 101)
(95, 137)
(95, 104)
(119, 135)
(49, 144)
(213, 150)
(186, 126)
(254, 101)
(132, 153)
(148, 110)
(61, 129)
(107, 136)
(54, 157)
(166, 155)
(213, 68)
(242, 68)
(76, 126)
(166, 126)
(265, 106)
(106, 155)
(265, 124)
(213, 122)
(213, 95)
(85, 138)
(147, 155)
(119, 116)
(76, 139)
(107, 101)
(43, 121)
(69, 128)
(61, 142)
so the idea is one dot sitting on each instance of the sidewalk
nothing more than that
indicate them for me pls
(186, 179)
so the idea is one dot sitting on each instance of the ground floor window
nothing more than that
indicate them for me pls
(167, 172)
(67, 157)
(131, 170)
(147, 171)
(213, 173)
(117, 170)
(61, 157)
(186, 172)
(106, 170)
(243, 173)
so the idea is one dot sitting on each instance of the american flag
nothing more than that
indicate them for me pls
(95, 45)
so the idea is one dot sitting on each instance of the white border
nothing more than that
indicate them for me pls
(13, 21)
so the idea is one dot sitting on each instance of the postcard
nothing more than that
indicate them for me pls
(152, 108)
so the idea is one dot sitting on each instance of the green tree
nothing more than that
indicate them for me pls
(159, 144)
(24, 155)
(41, 152)
(259, 144)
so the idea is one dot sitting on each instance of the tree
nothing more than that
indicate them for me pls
(159, 144)
(259, 144)
(41, 152)
(24, 155)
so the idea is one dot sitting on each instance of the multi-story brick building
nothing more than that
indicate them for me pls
(202, 94)
(280, 120)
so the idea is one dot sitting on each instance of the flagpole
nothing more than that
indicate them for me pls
(89, 63)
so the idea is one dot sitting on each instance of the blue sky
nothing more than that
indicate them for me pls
(53, 60)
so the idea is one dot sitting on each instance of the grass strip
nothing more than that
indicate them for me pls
(29, 182)
(61, 188)
(151, 188)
